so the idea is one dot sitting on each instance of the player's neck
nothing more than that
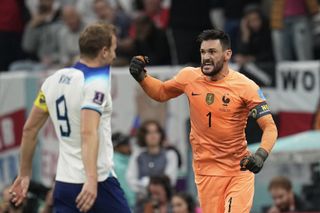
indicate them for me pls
(222, 74)
(91, 62)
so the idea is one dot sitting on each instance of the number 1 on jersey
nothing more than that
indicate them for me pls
(209, 119)
(64, 116)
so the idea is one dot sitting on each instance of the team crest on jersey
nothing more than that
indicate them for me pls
(225, 99)
(210, 98)
(98, 97)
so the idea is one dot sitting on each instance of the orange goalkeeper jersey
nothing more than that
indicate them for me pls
(218, 113)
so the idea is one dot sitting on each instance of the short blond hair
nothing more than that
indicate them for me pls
(94, 37)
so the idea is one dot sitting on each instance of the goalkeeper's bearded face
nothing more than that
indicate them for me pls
(212, 57)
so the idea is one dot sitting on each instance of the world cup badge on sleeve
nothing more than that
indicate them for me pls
(98, 97)
(261, 95)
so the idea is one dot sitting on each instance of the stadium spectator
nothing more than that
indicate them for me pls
(33, 5)
(36, 194)
(86, 8)
(291, 29)
(183, 203)
(127, 6)
(5, 206)
(233, 11)
(122, 152)
(157, 12)
(284, 199)
(106, 13)
(152, 41)
(39, 39)
(68, 35)
(184, 27)
(160, 193)
(255, 44)
(12, 16)
(316, 35)
(154, 160)
(217, 13)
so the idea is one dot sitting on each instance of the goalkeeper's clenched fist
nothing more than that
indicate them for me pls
(137, 65)
(254, 163)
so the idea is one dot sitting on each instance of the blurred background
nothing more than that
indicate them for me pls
(275, 42)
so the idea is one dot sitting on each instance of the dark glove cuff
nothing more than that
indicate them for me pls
(141, 76)
(262, 153)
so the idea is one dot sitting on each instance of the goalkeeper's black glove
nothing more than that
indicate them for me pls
(254, 163)
(136, 67)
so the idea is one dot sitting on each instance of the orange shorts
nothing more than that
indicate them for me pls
(219, 194)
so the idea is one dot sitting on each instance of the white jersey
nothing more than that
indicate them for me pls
(66, 92)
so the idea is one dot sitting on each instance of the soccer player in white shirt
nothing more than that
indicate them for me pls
(79, 103)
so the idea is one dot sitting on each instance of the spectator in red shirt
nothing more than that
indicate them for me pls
(11, 27)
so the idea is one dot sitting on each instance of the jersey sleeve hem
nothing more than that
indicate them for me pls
(92, 108)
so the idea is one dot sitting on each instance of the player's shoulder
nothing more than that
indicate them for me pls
(89, 73)
(242, 80)
(62, 75)
(189, 73)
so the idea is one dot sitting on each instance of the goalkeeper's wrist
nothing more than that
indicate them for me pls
(141, 76)
(261, 152)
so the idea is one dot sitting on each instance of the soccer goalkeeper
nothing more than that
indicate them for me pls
(220, 101)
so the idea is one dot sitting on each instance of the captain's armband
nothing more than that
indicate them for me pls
(260, 110)
(40, 101)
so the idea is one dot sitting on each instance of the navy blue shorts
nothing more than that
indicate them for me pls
(110, 197)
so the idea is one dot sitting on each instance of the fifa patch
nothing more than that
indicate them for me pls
(98, 97)
(261, 95)
(260, 110)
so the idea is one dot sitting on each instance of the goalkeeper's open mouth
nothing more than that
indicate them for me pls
(207, 67)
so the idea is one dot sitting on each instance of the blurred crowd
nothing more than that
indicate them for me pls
(37, 35)
(43, 34)
(147, 168)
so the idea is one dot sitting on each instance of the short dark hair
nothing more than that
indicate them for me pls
(280, 182)
(119, 139)
(163, 181)
(94, 37)
(189, 201)
(215, 34)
